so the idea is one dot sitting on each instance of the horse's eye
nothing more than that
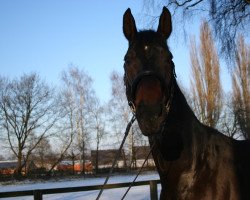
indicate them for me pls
(126, 60)
(130, 56)
(146, 47)
(160, 50)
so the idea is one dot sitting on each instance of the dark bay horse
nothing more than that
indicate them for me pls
(194, 161)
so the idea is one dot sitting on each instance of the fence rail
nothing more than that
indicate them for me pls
(38, 194)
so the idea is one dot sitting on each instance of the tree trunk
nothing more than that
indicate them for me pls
(73, 166)
(18, 171)
(83, 158)
(97, 159)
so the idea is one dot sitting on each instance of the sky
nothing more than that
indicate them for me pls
(47, 36)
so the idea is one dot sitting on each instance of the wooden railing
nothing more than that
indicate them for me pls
(38, 194)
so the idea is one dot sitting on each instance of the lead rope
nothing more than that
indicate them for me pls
(132, 183)
(117, 155)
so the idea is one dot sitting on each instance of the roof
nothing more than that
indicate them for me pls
(8, 164)
(105, 156)
(70, 162)
(141, 152)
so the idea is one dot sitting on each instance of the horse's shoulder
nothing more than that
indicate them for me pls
(242, 151)
(242, 166)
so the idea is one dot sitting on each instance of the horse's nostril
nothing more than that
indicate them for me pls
(153, 111)
(149, 117)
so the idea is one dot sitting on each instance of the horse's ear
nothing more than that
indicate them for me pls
(129, 27)
(165, 23)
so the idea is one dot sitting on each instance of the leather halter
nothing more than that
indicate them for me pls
(142, 75)
(145, 73)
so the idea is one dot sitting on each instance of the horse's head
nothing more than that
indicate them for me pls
(148, 72)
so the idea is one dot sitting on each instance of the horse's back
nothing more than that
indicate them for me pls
(242, 161)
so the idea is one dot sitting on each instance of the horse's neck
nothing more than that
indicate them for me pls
(180, 111)
(176, 141)
(194, 160)
(181, 119)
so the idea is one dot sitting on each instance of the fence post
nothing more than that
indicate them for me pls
(38, 195)
(153, 190)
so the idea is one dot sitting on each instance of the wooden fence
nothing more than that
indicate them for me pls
(38, 194)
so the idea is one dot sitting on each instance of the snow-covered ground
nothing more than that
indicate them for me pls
(135, 193)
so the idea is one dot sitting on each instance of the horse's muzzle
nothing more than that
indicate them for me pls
(148, 94)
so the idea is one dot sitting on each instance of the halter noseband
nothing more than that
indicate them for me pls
(145, 73)
(140, 76)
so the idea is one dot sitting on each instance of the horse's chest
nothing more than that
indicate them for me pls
(190, 188)
(185, 185)
(206, 183)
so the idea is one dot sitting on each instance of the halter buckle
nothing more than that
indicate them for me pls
(132, 106)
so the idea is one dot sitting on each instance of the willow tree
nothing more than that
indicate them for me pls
(205, 82)
(241, 87)
(227, 18)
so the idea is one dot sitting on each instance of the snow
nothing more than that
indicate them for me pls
(136, 193)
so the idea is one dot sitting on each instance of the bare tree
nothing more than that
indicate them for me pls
(205, 83)
(228, 121)
(241, 87)
(118, 101)
(2, 157)
(120, 114)
(137, 140)
(72, 155)
(97, 116)
(79, 85)
(62, 142)
(228, 18)
(27, 114)
(41, 152)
